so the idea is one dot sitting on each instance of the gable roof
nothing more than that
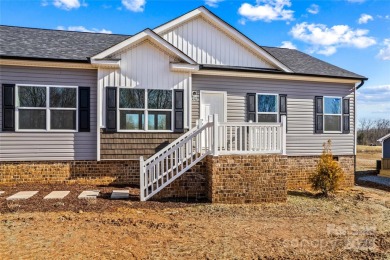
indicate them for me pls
(384, 138)
(43, 44)
(145, 34)
(227, 28)
(57, 45)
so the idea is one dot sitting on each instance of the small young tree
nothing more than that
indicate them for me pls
(328, 175)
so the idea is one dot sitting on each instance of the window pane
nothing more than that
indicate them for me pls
(267, 118)
(159, 99)
(63, 119)
(158, 120)
(267, 103)
(63, 97)
(332, 123)
(32, 119)
(131, 98)
(332, 105)
(132, 120)
(32, 96)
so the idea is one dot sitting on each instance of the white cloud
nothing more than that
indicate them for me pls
(288, 45)
(213, 3)
(134, 5)
(80, 28)
(374, 101)
(324, 40)
(364, 18)
(67, 4)
(313, 9)
(384, 53)
(267, 10)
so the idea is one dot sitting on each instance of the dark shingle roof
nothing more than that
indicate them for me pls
(21, 42)
(54, 44)
(300, 62)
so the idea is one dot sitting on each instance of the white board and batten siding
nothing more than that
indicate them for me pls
(144, 66)
(301, 139)
(44, 146)
(207, 44)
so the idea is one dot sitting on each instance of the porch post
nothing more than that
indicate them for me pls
(284, 135)
(142, 178)
(215, 134)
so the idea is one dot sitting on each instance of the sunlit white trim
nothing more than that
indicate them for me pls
(183, 67)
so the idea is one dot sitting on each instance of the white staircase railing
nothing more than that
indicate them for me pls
(211, 137)
(164, 167)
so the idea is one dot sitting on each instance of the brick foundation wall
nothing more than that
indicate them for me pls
(85, 172)
(247, 178)
(301, 167)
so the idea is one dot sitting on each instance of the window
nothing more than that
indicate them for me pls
(267, 108)
(141, 109)
(332, 114)
(46, 108)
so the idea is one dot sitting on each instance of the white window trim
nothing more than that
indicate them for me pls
(325, 114)
(267, 113)
(145, 111)
(47, 109)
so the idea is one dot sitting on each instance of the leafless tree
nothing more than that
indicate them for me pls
(370, 130)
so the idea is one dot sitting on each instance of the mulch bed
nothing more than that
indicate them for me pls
(72, 203)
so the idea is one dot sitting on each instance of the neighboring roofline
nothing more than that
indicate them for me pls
(43, 59)
(264, 70)
(229, 28)
(384, 138)
(147, 33)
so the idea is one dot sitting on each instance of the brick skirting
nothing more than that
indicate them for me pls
(222, 179)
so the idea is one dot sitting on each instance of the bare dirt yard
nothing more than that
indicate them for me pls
(353, 224)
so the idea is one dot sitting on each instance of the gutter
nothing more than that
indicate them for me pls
(361, 84)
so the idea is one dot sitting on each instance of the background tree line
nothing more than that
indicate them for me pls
(370, 130)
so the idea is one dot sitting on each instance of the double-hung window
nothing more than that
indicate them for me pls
(141, 109)
(45, 108)
(267, 108)
(332, 114)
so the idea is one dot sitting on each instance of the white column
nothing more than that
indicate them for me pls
(215, 134)
(284, 135)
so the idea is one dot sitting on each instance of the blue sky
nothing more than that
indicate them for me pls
(352, 34)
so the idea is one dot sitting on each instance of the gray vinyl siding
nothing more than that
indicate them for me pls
(301, 139)
(29, 146)
(386, 148)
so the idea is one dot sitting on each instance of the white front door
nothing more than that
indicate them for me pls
(213, 102)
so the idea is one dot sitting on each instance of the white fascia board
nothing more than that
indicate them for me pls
(147, 34)
(106, 63)
(383, 138)
(183, 67)
(237, 35)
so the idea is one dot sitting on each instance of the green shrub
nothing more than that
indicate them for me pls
(328, 175)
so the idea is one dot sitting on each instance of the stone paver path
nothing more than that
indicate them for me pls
(57, 195)
(385, 181)
(22, 195)
(120, 194)
(89, 194)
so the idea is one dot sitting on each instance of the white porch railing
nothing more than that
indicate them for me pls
(211, 137)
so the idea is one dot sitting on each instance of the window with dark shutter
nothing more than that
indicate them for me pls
(251, 107)
(84, 109)
(179, 110)
(8, 107)
(346, 116)
(282, 106)
(319, 115)
(111, 109)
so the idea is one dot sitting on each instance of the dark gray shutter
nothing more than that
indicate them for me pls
(178, 102)
(251, 107)
(84, 109)
(282, 106)
(111, 107)
(8, 107)
(346, 116)
(319, 115)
